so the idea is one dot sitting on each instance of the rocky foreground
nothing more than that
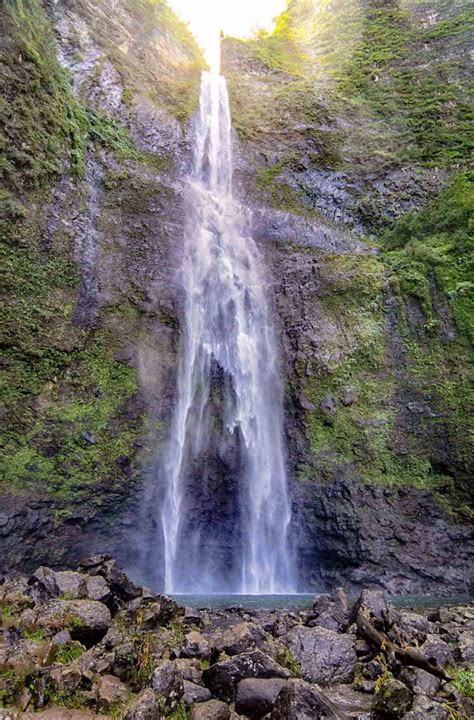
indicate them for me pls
(89, 642)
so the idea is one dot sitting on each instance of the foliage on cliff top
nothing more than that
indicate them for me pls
(396, 75)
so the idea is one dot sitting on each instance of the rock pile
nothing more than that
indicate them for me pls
(78, 644)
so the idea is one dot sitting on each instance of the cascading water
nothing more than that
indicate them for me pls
(229, 393)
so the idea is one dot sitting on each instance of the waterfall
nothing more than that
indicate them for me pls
(229, 394)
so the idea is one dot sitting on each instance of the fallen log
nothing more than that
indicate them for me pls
(407, 656)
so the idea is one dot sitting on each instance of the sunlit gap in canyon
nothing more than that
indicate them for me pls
(229, 391)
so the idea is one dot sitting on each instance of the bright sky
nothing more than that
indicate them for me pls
(235, 17)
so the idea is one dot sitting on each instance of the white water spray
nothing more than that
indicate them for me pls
(227, 331)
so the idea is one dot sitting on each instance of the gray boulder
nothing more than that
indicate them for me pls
(299, 700)
(435, 648)
(256, 696)
(211, 710)
(393, 701)
(240, 637)
(324, 655)
(223, 677)
(195, 645)
(168, 684)
(194, 693)
(86, 620)
(144, 706)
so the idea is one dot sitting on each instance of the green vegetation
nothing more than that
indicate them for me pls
(464, 681)
(425, 103)
(68, 653)
(364, 430)
(62, 387)
(438, 241)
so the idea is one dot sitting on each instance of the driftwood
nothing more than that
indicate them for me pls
(407, 656)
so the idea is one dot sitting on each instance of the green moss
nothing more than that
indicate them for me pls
(438, 240)
(423, 102)
(40, 120)
(464, 681)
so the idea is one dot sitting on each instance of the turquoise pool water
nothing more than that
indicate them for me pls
(303, 602)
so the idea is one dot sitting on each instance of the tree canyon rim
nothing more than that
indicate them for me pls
(229, 390)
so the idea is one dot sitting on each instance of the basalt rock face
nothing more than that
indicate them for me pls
(375, 363)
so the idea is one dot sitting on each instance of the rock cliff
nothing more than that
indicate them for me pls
(351, 138)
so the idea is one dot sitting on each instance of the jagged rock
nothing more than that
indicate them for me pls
(299, 700)
(239, 638)
(466, 647)
(167, 682)
(111, 691)
(420, 681)
(415, 627)
(349, 702)
(63, 637)
(348, 395)
(436, 648)
(195, 645)
(256, 697)
(66, 678)
(393, 701)
(70, 584)
(97, 589)
(194, 693)
(223, 677)
(374, 604)
(189, 669)
(43, 584)
(192, 616)
(331, 611)
(424, 708)
(323, 655)
(210, 710)
(86, 620)
(155, 613)
(145, 706)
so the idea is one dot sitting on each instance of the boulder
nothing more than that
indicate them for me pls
(145, 706)
(256, 697)
(70, 584)
(111, 691)
(168, 684)
(393, 701)
(223, 677)
(195, 645)
(241, 637)
(43, 585)
(189, 669)
(86, 620)
(194, 693)
(420, 681)
(414, 627)
(299, 700)
(97, 589)
(331, 611)
(437, 649)
(324, 655)
(424, 708)
(374, 604)
(349, 702)
(210, 710)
